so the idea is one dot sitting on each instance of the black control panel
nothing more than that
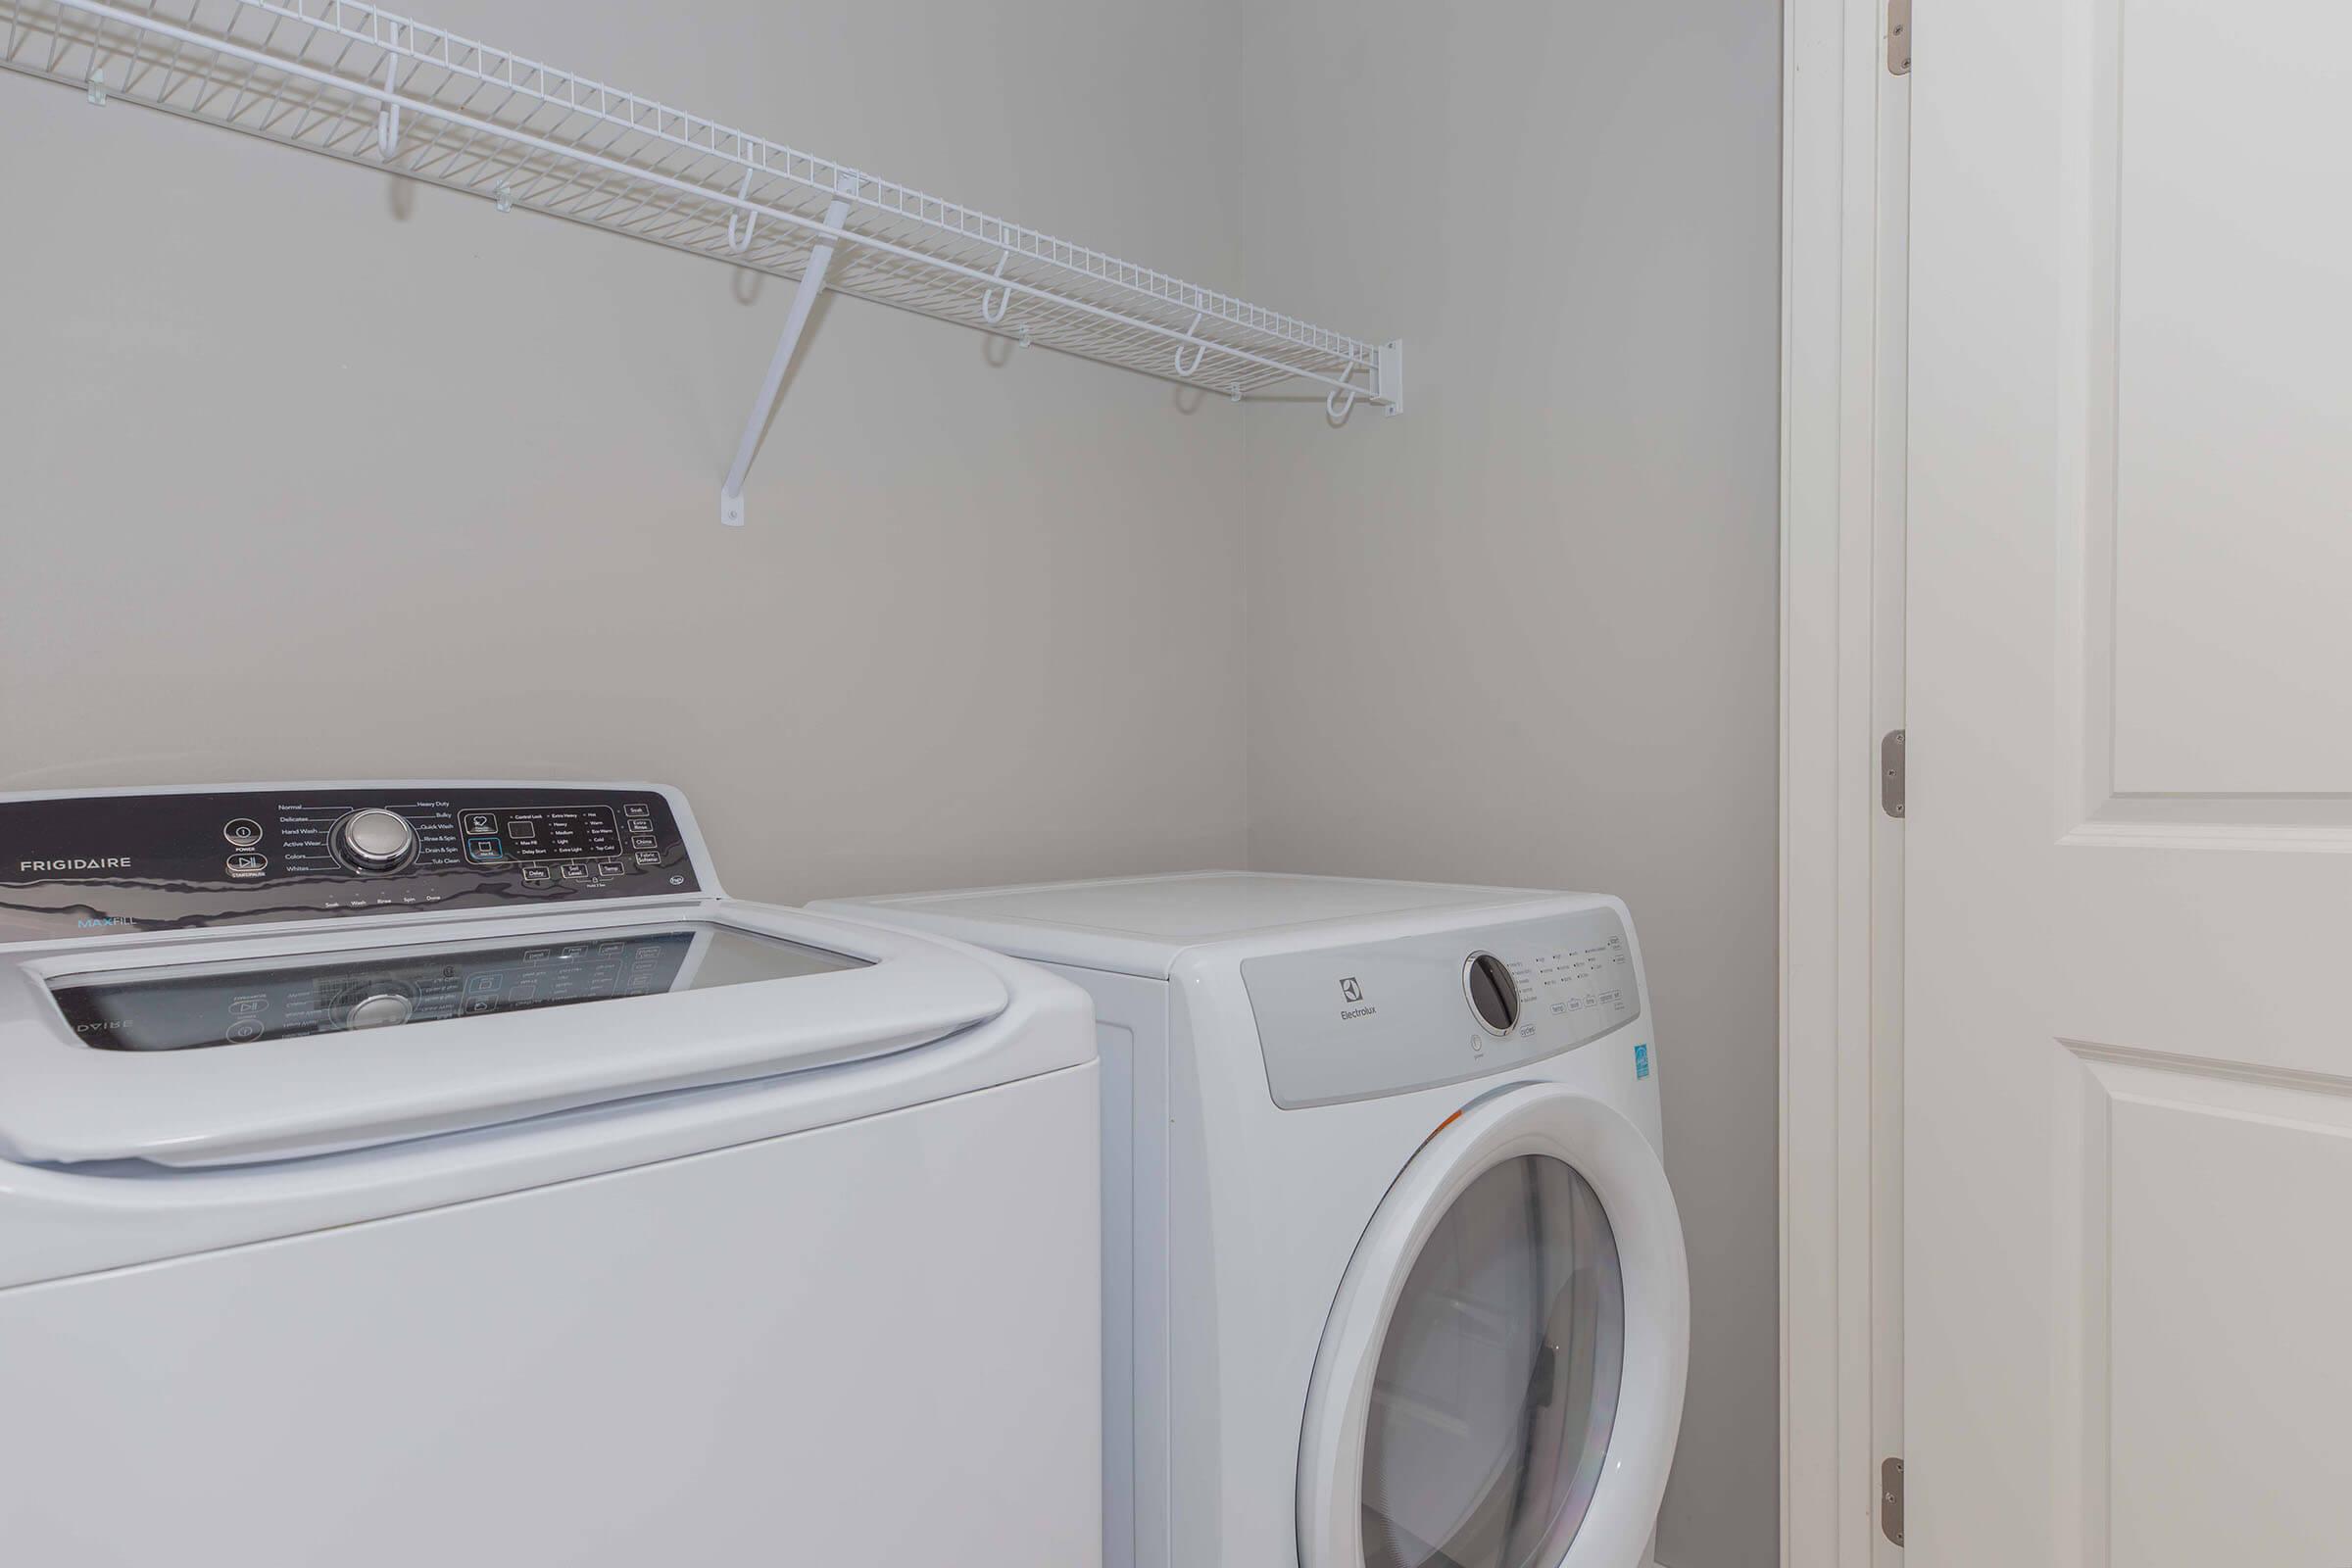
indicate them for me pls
(104, 865)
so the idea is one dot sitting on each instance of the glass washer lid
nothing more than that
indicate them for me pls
(202, 1005)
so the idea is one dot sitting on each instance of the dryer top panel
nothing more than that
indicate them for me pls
(1137, 926)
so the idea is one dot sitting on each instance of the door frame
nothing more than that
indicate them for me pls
(1845, 216)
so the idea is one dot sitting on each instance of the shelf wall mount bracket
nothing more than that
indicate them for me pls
(1387, 375)
(804, 298)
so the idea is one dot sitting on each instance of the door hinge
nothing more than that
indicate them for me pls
(1891, 1500)
(1899, 37)
(1893, 772)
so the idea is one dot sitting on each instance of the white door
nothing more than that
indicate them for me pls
(2129, 1025)
(1501, 1382)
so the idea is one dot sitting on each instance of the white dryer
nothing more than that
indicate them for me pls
(1394, 1276)
(406, 1173)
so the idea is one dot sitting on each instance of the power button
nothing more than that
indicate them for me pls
(244, 832)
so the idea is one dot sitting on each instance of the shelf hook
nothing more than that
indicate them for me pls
(1200, 349)
(387, 119)
(97, 86)
(750, 221)
(1234, 395)
(1337, 407)
(993, 307)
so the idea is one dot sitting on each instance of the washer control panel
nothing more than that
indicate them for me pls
(1385, 1018)
(94, 866)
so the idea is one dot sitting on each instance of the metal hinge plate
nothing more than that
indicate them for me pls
(1891, 773)
(1898, 36)
(1891, 1500)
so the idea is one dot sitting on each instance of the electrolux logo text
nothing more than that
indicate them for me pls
(1351, 990)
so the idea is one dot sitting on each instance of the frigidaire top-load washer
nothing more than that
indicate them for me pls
(448, 1173)
(1394, 1277)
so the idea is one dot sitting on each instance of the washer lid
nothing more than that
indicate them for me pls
(225, 1051)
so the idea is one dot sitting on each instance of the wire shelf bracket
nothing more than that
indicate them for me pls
(362, 84)
(803, 300)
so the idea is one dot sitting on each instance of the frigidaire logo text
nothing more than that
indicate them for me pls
(111, 863)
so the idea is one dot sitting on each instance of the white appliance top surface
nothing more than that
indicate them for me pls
(74, 1088)
(225, 974)
(1139, 924)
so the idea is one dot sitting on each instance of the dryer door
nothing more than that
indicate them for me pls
(1500, 1381)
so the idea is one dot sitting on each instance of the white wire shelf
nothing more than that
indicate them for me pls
(372, 87)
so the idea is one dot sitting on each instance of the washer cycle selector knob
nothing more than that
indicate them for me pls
(382, 1009)
(376, 840)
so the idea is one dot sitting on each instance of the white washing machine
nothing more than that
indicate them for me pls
(1394, 1276)
(448, 1173)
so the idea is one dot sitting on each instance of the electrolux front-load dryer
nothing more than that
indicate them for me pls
(446, 1173)
(1392, 1275)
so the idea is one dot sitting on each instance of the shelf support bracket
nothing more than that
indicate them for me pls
(812, 283)
(1387, 375)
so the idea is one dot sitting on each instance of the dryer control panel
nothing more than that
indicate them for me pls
(1388, 1017)
(102, 865)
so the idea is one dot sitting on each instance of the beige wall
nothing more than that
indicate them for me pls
(1526, 633)
(297, 480)
(301, 480)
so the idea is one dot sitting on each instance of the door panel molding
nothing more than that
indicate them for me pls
(2095, 810)
(2184, 1324)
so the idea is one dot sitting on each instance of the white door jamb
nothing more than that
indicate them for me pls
(1844, 215)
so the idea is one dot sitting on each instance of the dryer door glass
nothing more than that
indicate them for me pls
(1496, 1385)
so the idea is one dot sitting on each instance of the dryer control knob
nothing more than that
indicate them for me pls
(376, 840)
(1493, 993)
(382, 1009)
